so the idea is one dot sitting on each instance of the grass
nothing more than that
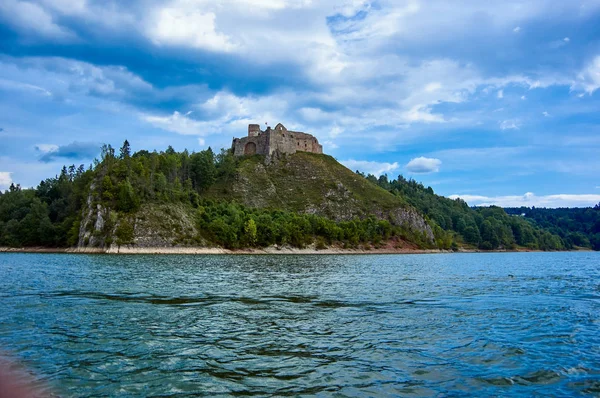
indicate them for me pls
(305, 182)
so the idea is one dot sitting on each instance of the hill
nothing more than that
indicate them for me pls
(311, 184)
(577, 227)
(201, 199)
(491, 228)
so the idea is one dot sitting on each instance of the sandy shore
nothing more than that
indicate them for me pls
(214, 250)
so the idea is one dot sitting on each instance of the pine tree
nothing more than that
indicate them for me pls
(125, 152)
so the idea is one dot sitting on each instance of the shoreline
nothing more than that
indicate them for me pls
(217, 250)
(264, 251)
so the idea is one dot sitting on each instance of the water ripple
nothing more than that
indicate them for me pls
(460, 325)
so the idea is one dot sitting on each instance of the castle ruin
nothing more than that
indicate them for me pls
(271, 140)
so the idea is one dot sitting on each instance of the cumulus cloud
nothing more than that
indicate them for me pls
(530, 199)
(73, 151)
(354, 73)
(369, 167)
(5, 179)
(422, 165)
(223, 113)
(185, 23)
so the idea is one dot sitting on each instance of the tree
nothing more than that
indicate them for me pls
(125, 152)
(471, 235)
(226, 164)
(125, 233)
(128, 201)
(489, 237)
(107, 189)
(250, 232)
(203, 170)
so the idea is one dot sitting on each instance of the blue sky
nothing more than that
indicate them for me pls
(496, 102)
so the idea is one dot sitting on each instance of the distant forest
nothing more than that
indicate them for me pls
(576, 226)
(493, 227)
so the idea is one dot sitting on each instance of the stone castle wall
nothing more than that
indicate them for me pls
(278, 139)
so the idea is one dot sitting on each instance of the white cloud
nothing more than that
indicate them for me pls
(368, 167)
(421, 113)
(546, 114)
(177, 123)
(523, 97)
(500, 94)
(423, 165)
(185, 23)
(5, 179)
(46, 148)
(201, 141)
(509, 125)
(30, 18)
(566, 40)
(588, 79)
(530, 199)
(517, 29)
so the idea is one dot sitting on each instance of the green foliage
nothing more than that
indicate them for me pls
(50, 215)
(250, 232)
(575, 226)
(203, 169)
(488, 228)
(124, 233)
(47, 216)
(234, 226)
(128, 200)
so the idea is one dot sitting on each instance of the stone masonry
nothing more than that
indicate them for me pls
(274, 140)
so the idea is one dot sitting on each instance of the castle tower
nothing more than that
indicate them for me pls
(253, 130)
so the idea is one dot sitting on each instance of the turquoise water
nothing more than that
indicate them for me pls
(503, 324)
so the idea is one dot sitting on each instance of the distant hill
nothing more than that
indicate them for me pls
(491, 228)
(576, 226)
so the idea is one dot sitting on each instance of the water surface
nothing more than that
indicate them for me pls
(505, 324)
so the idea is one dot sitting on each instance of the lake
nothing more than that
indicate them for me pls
(497, 324)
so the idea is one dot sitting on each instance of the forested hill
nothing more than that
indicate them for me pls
(169, 198)
(494, 227)
(200, 199)
(576, 226)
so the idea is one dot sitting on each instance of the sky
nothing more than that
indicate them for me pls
(494, 102)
